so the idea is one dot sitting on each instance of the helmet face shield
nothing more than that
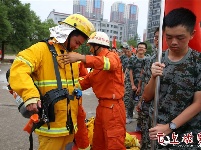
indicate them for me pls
(81, 23)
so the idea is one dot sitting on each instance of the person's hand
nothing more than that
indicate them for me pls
(159, 128)
(33, 107)
(138, 91)
(70, 58)
(157, 69)
(134, 88)
(138, 107)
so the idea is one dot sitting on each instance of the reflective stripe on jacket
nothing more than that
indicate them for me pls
(106, 78)
(36, 61)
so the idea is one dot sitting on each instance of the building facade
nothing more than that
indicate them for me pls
(125, 14)
(131, 20)
(57, 16)
(110, 28)
(118, 12)
(89, 8)
(153, 18)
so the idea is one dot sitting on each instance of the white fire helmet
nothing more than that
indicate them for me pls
(100, 38)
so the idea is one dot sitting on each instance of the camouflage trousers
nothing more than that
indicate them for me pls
(145, 126)
(128, 101)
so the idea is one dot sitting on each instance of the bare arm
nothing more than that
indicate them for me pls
(181, 119)
(134, 88)
(149, 90)
(190, 111)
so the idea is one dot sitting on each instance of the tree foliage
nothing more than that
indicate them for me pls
(20, 27)
(149, 47)
(84, 49)
(134, 41)
(5, 25)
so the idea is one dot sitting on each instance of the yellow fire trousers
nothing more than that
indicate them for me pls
(55, 143)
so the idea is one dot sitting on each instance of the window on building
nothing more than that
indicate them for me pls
(103, 25)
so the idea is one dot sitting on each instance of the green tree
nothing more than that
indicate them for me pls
(44, 30)
(20, 18)
(40, 30)
(84, 49)
(5, 26)
(149, 47)
(132, 42)
(20, 27)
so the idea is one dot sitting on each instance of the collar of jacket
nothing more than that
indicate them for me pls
(103, 52)
(58, 48)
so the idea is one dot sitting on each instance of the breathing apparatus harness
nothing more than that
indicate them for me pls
(76, 92)
(46, 113)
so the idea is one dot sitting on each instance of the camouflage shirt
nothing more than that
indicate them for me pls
(127, 73)
(145, 78)
(124, 61)
(178, 84)
(136, 65)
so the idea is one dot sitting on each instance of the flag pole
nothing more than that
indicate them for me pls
(156, 98)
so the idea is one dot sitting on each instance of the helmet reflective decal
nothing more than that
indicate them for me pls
(100, 38)
(81, 23)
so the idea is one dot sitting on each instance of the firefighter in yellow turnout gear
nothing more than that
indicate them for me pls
(33, 72)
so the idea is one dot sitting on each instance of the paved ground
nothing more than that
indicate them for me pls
(12, 136)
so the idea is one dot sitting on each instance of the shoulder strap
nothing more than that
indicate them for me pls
(59, 84)
(56, 68)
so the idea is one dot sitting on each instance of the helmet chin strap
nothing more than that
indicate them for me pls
(95, 50)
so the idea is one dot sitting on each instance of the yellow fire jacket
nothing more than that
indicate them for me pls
(35, 65)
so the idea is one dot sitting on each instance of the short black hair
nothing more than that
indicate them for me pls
(142, 43)
(8, 75)
(180, 16)
(77, 33)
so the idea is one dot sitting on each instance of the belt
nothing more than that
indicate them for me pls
(109, 102)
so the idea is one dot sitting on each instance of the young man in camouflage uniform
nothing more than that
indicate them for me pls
(143, 107)
(123, 57)
(128, 99)
(119, 52)
(155, 47)
(179, 108)
(135, 66)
